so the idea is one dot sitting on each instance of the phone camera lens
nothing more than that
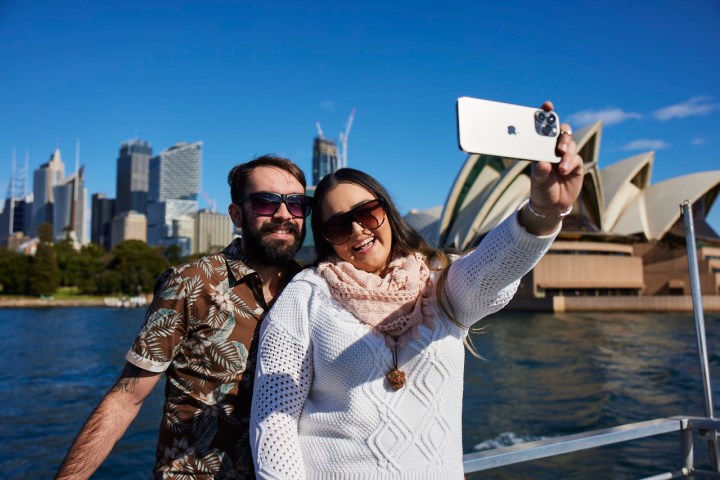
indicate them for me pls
(547, 129)
(540, 116)
(551, 118)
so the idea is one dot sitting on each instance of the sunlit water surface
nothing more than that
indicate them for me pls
(542, 376)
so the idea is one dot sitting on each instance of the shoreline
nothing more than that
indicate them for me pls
(109, 302)
(674, 304)
(49, 303)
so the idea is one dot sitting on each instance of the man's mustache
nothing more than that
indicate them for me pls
(271, 227)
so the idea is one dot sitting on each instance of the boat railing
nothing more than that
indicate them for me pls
(689, 427)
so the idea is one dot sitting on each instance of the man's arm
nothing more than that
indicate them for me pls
(108, 422)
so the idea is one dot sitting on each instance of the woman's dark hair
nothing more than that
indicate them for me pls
(405, 239)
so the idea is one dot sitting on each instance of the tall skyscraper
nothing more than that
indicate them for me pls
(133, 173)
(103, 211)
(175, 173)
(325, 158)
(45, 179)
(174, 186)
(69, 208)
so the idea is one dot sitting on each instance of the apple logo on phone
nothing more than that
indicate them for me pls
(511, 130)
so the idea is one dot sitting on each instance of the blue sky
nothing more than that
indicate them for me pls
(248, 78)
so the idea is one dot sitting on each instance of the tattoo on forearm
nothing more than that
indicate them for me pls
(128, 379)
(125, 384)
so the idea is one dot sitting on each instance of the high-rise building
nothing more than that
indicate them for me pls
(175, 173)
(128, 226)
(174, 186)
(69, 208)
(182, 235)
(133, 174)
(325, 158)
(213, 231)
(161, 216)
(15, 217)
(103, 211)
(16, 211)
(45, 179)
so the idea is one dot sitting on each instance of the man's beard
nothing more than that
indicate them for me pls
(268, 251)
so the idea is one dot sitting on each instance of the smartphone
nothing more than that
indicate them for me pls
(506, 130)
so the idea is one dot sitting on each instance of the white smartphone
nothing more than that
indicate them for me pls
(506, 130)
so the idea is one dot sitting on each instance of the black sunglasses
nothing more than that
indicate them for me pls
(370, 215)
(266, 204)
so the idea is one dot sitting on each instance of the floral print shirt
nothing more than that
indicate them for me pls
(201, 330)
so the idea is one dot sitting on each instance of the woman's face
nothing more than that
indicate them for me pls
(365, 249)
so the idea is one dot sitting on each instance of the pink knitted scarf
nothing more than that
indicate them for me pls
(395, 304)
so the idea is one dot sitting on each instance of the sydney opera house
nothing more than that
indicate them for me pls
(623, 246)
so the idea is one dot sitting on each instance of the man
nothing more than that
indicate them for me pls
(199, 331)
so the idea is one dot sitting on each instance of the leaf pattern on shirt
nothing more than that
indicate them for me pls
(207, 267)
(159, 325)
(194, 286)
(172, 288)
(197, 326)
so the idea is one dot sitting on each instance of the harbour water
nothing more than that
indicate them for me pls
(541, 376)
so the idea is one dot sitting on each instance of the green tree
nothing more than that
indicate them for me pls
(89, 265)
(173, 254)
(13, 272)
(108, 282)
(137, 266)
(66, 256)
(45, 233)
(44, 277)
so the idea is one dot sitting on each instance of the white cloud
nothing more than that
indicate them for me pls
(327, 105)
(698, 141)
(645, 145)
(608, 116)
(691, 108)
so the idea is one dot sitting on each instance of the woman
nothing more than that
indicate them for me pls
(360, 366)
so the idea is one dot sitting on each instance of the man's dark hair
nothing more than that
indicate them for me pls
(238, 176)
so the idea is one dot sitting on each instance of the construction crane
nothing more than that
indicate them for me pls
(344, 139)
(319, 129)
(209, 201)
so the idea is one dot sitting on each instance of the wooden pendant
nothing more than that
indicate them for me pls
(396, 378)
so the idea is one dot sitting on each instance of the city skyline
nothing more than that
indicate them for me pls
(253, 79)
(160, 202)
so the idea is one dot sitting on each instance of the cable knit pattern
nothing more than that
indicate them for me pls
(322, 407)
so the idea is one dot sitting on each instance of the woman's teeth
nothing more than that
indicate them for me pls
(364, 244)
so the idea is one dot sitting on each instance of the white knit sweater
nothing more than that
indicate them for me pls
(322, 407)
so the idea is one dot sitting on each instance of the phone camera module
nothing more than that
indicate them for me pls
(546, 123)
